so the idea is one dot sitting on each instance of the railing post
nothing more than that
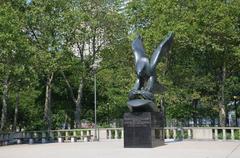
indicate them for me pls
(174, 133)
(18, 137)
(8, 138)
(31, 139)
(6, 141)
(23, 135)
(122, 133)
(89, 132)
(81, 134)
(182, 134)
(109, 134)
(167, 134)
(189, 134)
(66, 135)
(75, 133)
(43, 137)
(19, 141)
(116, 134)
(35, 136)
(216, 134)
(224, 133)
(11, 137)
(59, 137)
(5, 138)
(51, 135)
(73, 138)
(1, 139)
(232, 134)
(98, 135)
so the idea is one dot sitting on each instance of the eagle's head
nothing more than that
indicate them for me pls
(142, 68)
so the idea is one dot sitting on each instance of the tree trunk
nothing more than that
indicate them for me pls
(77, 101)
(222, 112)
(47, 106)
(4, 100)
(16, 112)
(78, 105)
(194, 105)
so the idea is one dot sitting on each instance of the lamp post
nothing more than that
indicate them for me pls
(95, 102)
(108, 113)
(235, 106)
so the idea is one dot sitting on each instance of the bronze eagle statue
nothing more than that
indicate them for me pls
(141, 97)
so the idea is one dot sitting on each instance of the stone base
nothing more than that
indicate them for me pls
(44, 140)
(31, 141)
(60, 140)
(19, 141)
(73, 139)
(143, 130)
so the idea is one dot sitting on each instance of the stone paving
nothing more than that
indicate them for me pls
(114, 149)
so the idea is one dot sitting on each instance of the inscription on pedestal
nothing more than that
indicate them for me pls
(143, 130)
(137, 122)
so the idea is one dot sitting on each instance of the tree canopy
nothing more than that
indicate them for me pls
(51, 49)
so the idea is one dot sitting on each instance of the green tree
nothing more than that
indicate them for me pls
(15, 51)
(94, 26)
(205, 48)
(45, 26)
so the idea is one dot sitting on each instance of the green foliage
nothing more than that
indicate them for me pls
(50, 36)
(236, 134)
(206, 41)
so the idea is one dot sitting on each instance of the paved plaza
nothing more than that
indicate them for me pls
(114, 149)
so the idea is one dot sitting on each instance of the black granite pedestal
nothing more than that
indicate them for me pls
(143, 129)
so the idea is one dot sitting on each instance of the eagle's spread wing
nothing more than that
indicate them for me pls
(138, 49)
(161, 50)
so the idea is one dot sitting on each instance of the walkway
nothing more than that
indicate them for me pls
(114, 149)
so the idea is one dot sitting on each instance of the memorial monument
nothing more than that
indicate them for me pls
(143, 125)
